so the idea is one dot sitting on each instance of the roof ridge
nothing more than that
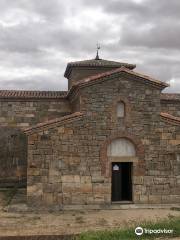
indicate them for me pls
(99, 60)
(170, 117)
(96, 63)
(40, 126)
(170, 93)
(12, 90)
(91, 79)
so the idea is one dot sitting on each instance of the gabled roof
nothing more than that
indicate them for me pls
(96, 63)
(20, 94)
(170, 118)
(102, 76)
(52, 123)
(170, 96)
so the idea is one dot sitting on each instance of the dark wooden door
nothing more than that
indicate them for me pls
(121, 182)
(116, 182)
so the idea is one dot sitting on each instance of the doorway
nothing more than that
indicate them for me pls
(121, 181)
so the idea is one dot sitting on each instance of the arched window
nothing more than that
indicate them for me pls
(120, 109)
(120, 148)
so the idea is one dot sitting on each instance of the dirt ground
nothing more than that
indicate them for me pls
(70, 222)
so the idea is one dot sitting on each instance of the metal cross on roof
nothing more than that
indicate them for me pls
(97, 53)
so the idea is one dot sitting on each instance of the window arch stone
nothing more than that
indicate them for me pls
(121, 147)
(127, 109)
(138, 148)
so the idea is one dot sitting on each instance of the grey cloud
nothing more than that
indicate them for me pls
(162, 35)
(47, 9)
(149, 36)
(35, 83)
(147, 9)
(152, 23)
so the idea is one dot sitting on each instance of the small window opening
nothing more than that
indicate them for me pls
(120, 109)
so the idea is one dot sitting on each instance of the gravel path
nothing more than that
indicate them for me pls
(70, 222)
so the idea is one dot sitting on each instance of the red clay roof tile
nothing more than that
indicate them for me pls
(46, 124)
(170, 117)
(96, 63)
(14, 94)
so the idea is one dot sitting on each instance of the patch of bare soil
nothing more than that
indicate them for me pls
(70, 222)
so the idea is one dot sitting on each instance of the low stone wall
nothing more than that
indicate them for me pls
(171, 106)
(27, 112)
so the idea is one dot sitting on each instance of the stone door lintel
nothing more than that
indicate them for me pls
(123, 159)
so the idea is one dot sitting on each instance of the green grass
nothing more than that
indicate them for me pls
(128, 233)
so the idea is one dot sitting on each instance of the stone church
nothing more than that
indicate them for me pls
(113, 137)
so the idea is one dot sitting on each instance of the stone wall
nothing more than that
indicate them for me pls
(171, 107)
(163, 180)
(60, 167)
(68, 163)
(25, 113)
(16, 115)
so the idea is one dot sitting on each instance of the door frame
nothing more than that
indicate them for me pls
(132, 188)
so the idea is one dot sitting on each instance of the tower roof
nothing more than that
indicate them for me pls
(97, 63)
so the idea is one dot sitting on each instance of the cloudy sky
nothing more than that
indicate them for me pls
(38, 38)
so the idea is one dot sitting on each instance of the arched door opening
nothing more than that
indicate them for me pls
(120, 152)
(121, 181)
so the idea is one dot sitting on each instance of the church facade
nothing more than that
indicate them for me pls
(113, 137)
